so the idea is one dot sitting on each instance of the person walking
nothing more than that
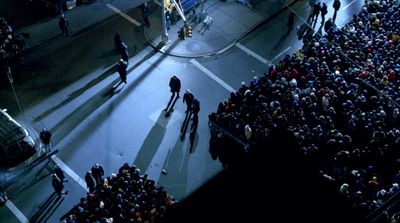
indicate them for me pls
(196, 106)
(146, 14)
(97, 173)
(290, 22)
(58, 185)
(175, 87)
(121, 69)
(89, 181)
(336, 7)
(63, 24)
(59, 173)
(315, 13)
(188, 98)
(324, 11)
(45, 139)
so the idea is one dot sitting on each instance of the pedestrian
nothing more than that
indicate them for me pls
(63, 24)
(329, 25)
(121, 66)
(146, 14)
(336, 7)
(124, 52)
(195, 106)
(97, 173)
(167, 19)
(324, 11)
(315, 13)
(58, 185)
(89, 181)
(45, 139)
(175, 87)
(290, 22)
(60, 173)
(188, 98)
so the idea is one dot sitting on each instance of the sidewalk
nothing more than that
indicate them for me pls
(231, 21)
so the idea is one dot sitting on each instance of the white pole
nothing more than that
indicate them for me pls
(164, 37)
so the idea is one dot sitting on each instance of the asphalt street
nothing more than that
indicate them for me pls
(69, 90)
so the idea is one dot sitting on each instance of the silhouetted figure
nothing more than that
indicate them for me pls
(188, 99)
(60, 174)
(146, 14)
(45, 139)
(336, 7)
(196, 106)
(58, 185)
(89, 181)
(315, 13)
(290, 22)
(97, 173)
(175, 87)
(63, 24)
(121, 69)
(324, 11)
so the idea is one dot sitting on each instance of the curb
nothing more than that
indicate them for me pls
(159, 48)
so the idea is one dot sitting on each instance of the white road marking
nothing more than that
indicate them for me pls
(21, 217)
(69, 171)
(253, 54)
(281, 53)
(121, 13)
(158, 117)
(157, 2)
(345, 7)
(212, 76)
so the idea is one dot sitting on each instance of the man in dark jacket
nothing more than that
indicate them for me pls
(63, 24)
(121, 69)
(89, 181)
(175, 88)
(58, 185)
(188, 98)
(45, 139)
(324, 11)
(336, 7)
(97, 173)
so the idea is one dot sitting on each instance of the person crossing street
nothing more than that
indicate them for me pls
(175, 88)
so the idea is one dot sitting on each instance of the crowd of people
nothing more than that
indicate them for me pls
(127, 196)
(11, 45)
(338, 95)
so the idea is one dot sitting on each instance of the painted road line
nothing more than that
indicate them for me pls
(157, 2)
(281, 53)
(21, 217)
(346, 6)
(253, 54)
(212, 76)
(121, 13)
(69, 171)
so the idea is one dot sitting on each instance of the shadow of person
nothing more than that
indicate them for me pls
(45, 207)
(76, 94)
(151, 143)
(176, 163)
(193, 137)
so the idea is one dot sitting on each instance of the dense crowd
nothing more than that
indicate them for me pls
(126, 196)
(11, 45)
(339, 97)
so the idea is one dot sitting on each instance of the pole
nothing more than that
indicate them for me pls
(164, 37)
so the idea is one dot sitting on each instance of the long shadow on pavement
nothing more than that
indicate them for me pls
(151, 143)
(103, 114)
(176, 163)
